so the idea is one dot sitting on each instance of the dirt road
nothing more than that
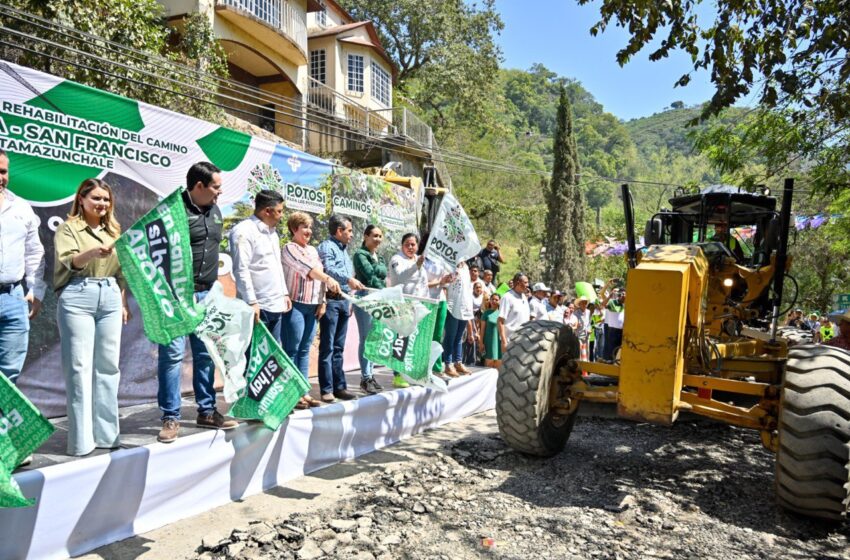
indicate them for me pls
(620, 490)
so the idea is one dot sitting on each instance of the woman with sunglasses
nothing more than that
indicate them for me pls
(91, 307)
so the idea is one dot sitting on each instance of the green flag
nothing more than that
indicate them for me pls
(412, 356)
(156, 260)
(274, 383)
(22, 430)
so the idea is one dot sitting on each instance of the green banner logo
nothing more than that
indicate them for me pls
(156, 259)
(22, 430)
(274, 383)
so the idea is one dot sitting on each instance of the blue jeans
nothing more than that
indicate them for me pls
(88, 314)
(274, 322)
(169, 369)
(613, 340)
(299, 329)
(14, 332)
(453, 340)
(334, 326)
(364, 325)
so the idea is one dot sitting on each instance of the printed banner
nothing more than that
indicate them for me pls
(156, 260)
(226, 333)
(274, 383)
(58, 133)
(22, 430)
(453, 238)
(412, 356)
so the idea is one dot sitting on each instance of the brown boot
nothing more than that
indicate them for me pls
(450, 371)
(170, 430)
(216, 421)
(462, 369)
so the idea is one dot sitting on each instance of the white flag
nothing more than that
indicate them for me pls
(453, 238)
(389, 306)
(226, 332)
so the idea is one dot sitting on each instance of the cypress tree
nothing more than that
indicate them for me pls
(564, 240)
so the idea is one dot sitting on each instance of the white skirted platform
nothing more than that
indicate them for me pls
(87, 503)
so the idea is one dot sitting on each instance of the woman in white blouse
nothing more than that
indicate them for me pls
(406, 270)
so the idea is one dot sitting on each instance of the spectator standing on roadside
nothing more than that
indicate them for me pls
(513, 309)
(595, 331)
(582, 315)
(334, 323)
(827, 329)
(459, 302)
(614, 305)
(554, 307)
(539, 293)
(491, 258)
(257, 267)
(203, 185)
(842, 340)
(489, 287)
(371, 269)
(21, 259)
(488, 333)
(470, 343)
(307, 283)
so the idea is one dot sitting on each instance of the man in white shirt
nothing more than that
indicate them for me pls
(21, 258)
(489, 287)
(255, 250)
(513, 310)
(540, 294)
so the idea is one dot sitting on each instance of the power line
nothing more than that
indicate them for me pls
(447, 157)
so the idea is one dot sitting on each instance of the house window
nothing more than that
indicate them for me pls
(381, 84)
(322, 15)
(317, 66)
(355, 73)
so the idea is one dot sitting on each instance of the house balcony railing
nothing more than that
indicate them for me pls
(282, 15)
(398, 122)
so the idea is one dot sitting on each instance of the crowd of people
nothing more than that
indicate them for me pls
(821, 327)
(295, 290)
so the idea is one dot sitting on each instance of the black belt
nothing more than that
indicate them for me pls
(202, 287)
(329, 295)
(7, 288)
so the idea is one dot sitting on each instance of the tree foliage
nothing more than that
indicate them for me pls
(136, 70)
(565, 206)
(792, 54)
(445, 52)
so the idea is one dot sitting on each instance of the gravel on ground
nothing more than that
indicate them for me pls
(697, 489)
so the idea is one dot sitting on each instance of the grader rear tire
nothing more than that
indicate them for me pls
(522, 390)
(813, 460)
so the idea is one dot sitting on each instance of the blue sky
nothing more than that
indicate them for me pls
(556, 33)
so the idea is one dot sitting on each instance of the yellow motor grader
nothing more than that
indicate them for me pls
(700, 335)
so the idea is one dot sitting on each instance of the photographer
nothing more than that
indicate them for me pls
(490, 257)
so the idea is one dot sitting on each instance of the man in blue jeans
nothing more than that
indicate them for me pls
(21, 258)
(334, 323)
(203, 183)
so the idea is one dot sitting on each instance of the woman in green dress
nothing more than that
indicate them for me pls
(488, 333)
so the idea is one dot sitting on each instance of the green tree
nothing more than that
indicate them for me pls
(445, 53)
(141, 73)
(565, 206)
(791, 54)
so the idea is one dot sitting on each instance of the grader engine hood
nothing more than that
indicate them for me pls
(666, 295)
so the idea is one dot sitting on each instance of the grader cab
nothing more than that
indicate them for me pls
(701, 335)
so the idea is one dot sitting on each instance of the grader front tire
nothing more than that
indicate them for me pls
(522, 391)
(813, 460)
